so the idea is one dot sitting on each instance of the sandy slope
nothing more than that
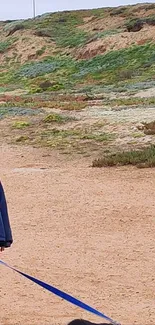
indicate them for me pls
(88, 231)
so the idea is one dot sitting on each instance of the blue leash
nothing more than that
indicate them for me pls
(62, 294)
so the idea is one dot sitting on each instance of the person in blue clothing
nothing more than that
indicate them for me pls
(5, 229)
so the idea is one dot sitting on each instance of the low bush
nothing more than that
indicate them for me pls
(15, 29)
(4, 46)
(136, 24)
(20, 124)
(141, 158)
(53, 117)
(118, 11)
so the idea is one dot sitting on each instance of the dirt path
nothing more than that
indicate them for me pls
(91, 232)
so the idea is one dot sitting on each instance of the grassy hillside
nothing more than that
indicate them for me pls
(79, 50)
(73, 61)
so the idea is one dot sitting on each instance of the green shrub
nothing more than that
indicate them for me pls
(22, 138)
(73, 39)
(141, 158)
(4, 46)
(20, 125)
(118, 11)
(15, 29)
(12, 24)
(136, 24)
(53, 117)
(150, 20)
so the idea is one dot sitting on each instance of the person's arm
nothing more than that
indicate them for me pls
(5, 221)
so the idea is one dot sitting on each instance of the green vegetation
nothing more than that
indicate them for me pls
(69, 138)
(108, 33)
(136, 63)
(53, 117)
(108, 67)
(22, 139)
(64, 37)
(136, 24)
(35, 69)
(20, 124)
(13, 26)
(61, 28)
(140, 158)
(119, 11)
(41, 51)
(12, 111)
(73, 39)
(72, 137)
(67, 31)
(4, 46)
(131, 101)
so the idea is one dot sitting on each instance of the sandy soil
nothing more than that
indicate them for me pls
(90, 232)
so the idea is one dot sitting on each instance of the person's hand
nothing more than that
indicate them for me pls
(1, 249)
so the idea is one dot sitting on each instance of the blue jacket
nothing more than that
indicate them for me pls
(5, 229)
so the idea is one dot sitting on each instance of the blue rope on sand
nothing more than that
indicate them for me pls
(62, 294)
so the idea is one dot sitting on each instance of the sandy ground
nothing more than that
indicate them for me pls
(90, 232)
